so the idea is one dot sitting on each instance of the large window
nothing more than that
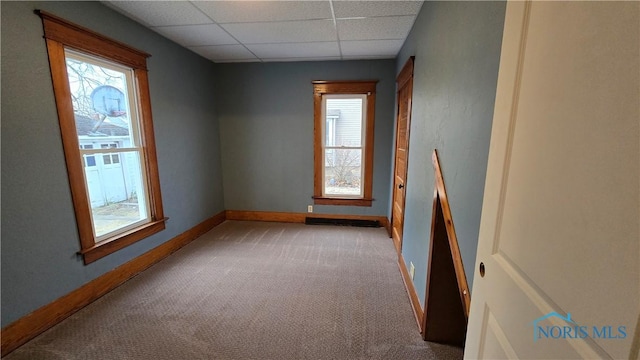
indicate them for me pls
(102, 96)
(343, 159)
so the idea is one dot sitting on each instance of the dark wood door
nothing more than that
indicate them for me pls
(405, 89)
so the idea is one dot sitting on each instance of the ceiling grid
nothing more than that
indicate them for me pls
(264, 31)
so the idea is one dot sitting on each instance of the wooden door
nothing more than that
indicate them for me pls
(557, 268)
(405, 89)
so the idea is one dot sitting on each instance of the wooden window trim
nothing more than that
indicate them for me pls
(88, 41)
(343, 87)
(61, 34)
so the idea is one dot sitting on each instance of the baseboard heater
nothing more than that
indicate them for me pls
(343, 222)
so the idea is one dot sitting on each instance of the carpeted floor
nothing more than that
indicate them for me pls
(251, 290)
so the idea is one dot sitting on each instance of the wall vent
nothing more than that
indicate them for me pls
(343, 222)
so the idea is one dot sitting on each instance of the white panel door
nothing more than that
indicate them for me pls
(559, 235)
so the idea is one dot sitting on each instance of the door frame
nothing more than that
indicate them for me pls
(404, 78)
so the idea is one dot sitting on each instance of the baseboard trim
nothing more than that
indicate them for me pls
(29, 326)
(292, 217)
(265, 216)
(418, 312)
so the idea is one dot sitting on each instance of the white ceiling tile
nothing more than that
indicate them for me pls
(196, 35)
(379, 28)
(330, 58)
(161, 13)
(375, 8)
(224, 52)
(278, 30)
(295, 50)
(259, 11)
(366, 57)
(238, 61)
(281, 32)
(371, 47)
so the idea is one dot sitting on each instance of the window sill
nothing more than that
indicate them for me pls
(317, 200)
(121, 241)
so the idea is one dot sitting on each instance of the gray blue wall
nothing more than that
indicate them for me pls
(263, 144)
(457, 50)
(266, 122)
(39, 236)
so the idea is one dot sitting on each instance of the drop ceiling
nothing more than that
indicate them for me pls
(261, 31)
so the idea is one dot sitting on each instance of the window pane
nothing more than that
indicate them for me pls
(90, 160)
(116, 193)
(343, 121)
(103, 117)
(100, 101)
(343, 172)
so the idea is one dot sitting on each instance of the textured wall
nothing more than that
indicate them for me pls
(457, 50)
(266, 136)
(39, 236)
(266, 123)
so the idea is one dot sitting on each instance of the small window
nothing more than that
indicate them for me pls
(110, 158)
(102, 96)
(89, 160)
(343, 155)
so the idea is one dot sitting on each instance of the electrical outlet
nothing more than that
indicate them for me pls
(412, 270)
(310, 208)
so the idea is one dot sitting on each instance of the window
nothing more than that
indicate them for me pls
(89, 160)
(110, 158)
(102, 96)
(344, 115)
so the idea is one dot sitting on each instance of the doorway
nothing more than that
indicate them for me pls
(404, 83)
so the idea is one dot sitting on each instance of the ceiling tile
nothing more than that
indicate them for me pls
(259, 11)
(161, 13)
(380, 28)
(366, 57)
(230, 31)
(330, 58)
(282, 32)
(196, 35)
(224, 52)
(375, 8)
(238, 61)
(295, 50)
(371, 47)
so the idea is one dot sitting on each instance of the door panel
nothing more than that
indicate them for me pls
(559, 230)
(405, 88)
(495, 343)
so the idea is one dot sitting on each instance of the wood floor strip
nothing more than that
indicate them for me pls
(26, 328)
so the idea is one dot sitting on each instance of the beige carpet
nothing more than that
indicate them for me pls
(251, 290)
